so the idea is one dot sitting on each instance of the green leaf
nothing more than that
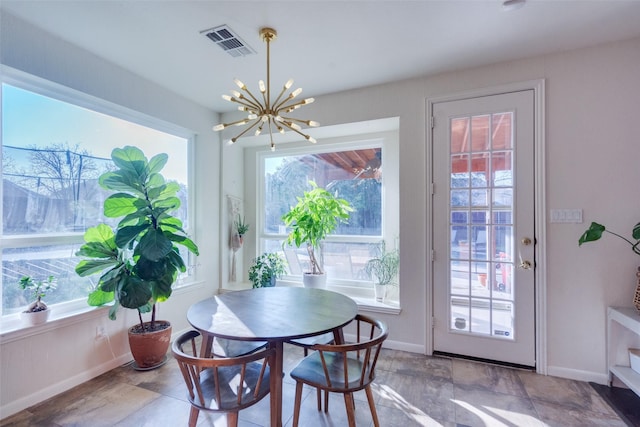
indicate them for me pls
(131, 159)
(154, 245)
(636, 231)
(113, 310)
(127, 234)
(158, 162)
(121, 180)
(120, 204)
(101, 233)
(150, 270)
(133, 292)
(184, 241)
(87, 267)
(99, 297)
(593, 233)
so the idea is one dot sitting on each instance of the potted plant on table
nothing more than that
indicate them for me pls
(266, 268)
(383, 270)
(595, 231)
(37, 312)
(140, 261)
(316, 215)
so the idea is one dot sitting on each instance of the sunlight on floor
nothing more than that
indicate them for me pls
(501, 417)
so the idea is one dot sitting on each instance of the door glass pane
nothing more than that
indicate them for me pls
(481, 228)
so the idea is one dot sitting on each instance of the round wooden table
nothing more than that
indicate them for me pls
(274, 315)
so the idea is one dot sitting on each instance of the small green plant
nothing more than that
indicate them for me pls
(317, 214)
(39, 289)
(265, 267)
(383, 269)
(241, 226)
(595, 230)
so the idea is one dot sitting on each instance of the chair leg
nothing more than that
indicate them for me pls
(326, 401)
(296, 405)
(351, 413)
(232, 419)
(372, 406)
(193, 416)
(319, 398)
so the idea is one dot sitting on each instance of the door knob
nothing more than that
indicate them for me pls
(526, 241)
(525, 265)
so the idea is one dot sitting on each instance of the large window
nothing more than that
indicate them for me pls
(53, 152)
(362, 172)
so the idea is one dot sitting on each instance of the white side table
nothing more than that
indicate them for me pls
(623, 332)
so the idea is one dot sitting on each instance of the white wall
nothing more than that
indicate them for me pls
(64, 352)
(592, 99)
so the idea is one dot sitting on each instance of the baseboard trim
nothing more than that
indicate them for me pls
(25, 402)
(578, 375)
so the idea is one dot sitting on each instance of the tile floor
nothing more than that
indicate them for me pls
(410, 390)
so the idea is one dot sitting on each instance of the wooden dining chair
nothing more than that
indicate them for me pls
(221, 384)
(343, 368)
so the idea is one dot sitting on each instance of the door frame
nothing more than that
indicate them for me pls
(540, 272)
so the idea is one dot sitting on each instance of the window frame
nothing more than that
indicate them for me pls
(388, 142)
(43, 87)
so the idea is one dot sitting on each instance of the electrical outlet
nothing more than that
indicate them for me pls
(101, 332)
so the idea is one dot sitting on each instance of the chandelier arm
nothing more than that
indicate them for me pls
(273, 146)
(257, 103)
(296, 130)
(293, 119)
(238, 122)
(246, 103)
(280, 106)
(294, 105)
(277, 106)
(247, 129)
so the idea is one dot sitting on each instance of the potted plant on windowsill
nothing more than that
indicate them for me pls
(383, 270)
(595, 231)
(266, 268)
(316, 215)
(37, 312)
(140, 261)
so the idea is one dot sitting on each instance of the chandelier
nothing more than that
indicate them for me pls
(265, 112)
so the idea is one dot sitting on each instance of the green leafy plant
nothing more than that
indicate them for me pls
(595, 231)
(140, 260)
(266, 266)
(241, 226)
(39, 289)
(316, 215)
(383, 268)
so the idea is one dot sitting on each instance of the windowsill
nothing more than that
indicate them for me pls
(12, 329)
(360, 296)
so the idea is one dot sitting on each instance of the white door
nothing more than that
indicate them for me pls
(483, 227)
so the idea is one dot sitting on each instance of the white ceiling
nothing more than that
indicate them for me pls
(326, 46)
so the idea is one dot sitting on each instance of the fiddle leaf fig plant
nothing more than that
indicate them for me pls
(140, 260)
(316, 215)
(595, 231)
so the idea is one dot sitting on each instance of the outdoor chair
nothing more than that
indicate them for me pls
(221, 385)
(343, 368)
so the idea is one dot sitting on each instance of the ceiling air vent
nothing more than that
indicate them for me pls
(224, 37)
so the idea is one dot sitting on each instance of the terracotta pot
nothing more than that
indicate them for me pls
(149, 349)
